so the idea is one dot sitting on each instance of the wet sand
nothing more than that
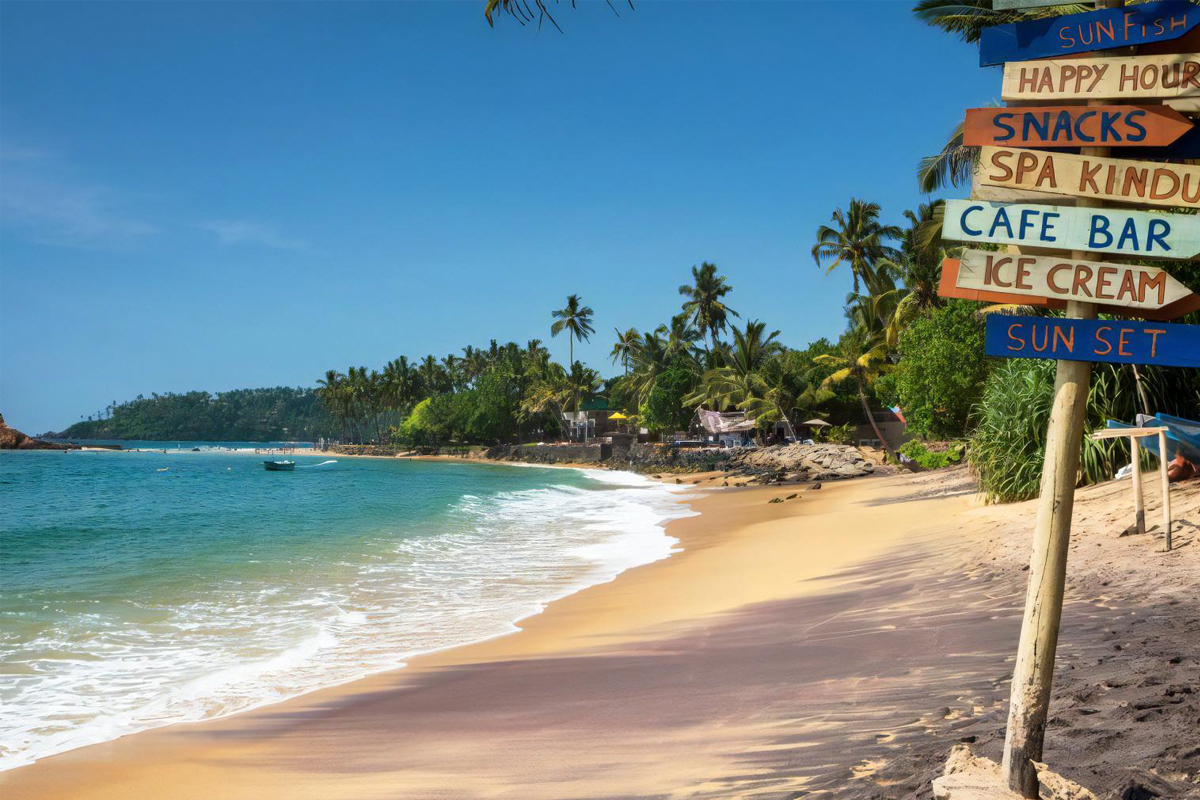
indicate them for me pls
(834, 645)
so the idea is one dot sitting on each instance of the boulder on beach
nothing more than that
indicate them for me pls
(800, 462)
(13, 439)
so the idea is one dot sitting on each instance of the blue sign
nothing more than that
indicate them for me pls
(1099, 230)
(1105, 29)
(1115, 341)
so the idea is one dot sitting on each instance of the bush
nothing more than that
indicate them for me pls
(839, 434)
(1008, 447)
(942, 370)
(929, 459)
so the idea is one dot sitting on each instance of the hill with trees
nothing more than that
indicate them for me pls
(242, 415)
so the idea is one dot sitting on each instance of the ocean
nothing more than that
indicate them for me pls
(138, 589)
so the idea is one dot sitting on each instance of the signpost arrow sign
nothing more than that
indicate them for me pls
(947, 287)
(1069, 279)
(1117, 342)
(1104, 29)
(1139, 182)
(1123, 78)
(1100, 230)
(1075, 126)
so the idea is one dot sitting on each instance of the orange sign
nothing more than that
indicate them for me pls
(1074, 126)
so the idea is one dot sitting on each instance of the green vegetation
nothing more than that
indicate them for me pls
(930, 459)
(243, 415)
(941, 371)
(1007, 446)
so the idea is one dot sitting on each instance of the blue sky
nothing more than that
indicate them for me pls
(219, 195)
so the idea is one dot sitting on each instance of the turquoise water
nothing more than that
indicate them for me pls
(139, 589)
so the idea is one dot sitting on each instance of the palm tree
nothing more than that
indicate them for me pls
(680, 337)
(583, 382)
(704, 307)
(433, 376)
(966, 19)
(651, 358)
(920, 268)
(624, 347)
(332, 393)
(401, 383)
(575, 319)
(861, 356)
(859, 240)
(732, 385)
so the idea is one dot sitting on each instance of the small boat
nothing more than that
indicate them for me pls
(279, 466)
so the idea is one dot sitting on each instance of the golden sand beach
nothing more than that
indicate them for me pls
(837, 643)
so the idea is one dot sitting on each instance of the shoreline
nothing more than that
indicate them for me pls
(532, 636)
(800, 646)
(601, 570)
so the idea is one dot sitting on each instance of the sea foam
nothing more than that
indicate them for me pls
(498, 560)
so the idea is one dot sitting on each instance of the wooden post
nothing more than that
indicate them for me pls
(1029, 700)
(1139, 507)
(1030, 697)
(1166, 486)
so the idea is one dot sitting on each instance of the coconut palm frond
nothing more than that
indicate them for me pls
(952, 166)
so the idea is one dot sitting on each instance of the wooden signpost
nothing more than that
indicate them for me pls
(1075, 126)
(1147, 183)
(1063, 278)
(1101, 230)
(1104, 29)
(1128, 78)
(1085, 231)
(948, 286)
(1116, 342)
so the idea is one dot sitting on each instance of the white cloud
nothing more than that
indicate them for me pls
(39, 196)
(234, 232)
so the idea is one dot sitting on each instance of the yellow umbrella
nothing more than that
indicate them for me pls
(618, 415)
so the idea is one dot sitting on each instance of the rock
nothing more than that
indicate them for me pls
(815, 486)
(792, 496)
(13, 439)
(775, 500)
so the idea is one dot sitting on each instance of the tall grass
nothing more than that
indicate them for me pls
(1007, 448)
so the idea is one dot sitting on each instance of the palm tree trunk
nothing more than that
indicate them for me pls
(787, 423)
(862, 396)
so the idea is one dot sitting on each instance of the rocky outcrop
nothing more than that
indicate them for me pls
(799, 462)
(548, 453)
(13, 439)
(664, 458)
(779, 463)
